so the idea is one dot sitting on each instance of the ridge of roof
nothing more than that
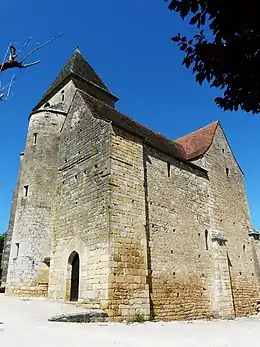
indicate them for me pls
(101, 110)
(76, 65)
(198, 142)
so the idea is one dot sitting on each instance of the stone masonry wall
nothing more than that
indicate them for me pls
(31, 241)
(190, 272)
(9, 233)
(228, 210)
(62, 99)
(255, 246)
(8, 240)
(128, 288)
(180, 261)
(81, 218)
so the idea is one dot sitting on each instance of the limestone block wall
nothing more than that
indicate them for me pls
(228, 210)
(9, 233)
(31, 240)
(222, 301)
(81, 218)
(62, 99)
(179, 246)
(8, 240)
(128, 287)
(255, 247)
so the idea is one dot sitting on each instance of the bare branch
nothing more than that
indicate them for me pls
(5, 90)
(9, 88)
(12, 62)
(8, 49)
(23, 47)
(30, 64)
(39, 47)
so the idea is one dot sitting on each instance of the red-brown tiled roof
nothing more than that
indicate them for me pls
(198, 142)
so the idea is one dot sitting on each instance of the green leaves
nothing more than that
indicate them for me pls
(230, 59)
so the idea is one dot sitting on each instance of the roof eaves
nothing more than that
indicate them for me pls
(169, 153)
(51, 110)
(95, 85)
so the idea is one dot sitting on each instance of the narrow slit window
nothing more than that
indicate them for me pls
(62, 96)
(227, 172)
(17, 249)
(25, 190)
(206, 239)
(169, 169)
(35, 135)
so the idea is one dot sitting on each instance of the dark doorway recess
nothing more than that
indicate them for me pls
(74, 288)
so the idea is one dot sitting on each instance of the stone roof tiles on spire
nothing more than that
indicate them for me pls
(78, 67)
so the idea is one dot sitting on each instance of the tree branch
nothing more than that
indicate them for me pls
(11, 62)
(39, 47)
(30, 64)
(8, 49)
(5, 90)
(23, 47)
(9, 87)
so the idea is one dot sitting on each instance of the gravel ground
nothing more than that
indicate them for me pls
(24, 322)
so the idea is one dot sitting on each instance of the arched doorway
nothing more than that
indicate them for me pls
(74, 279)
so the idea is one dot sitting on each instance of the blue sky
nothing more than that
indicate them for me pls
(129, 46)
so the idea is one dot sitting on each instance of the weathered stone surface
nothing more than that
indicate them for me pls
(33, 220)
(81, 214)
(9, 236)
(156, 236)
(128, 288)
(83, 317)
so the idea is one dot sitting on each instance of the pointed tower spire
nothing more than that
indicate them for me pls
(84, 77)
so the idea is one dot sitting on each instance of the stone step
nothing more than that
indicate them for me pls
(91, 316)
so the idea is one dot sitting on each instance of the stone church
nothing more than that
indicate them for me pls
(115, 216)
